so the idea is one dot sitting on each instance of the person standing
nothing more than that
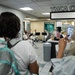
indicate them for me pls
(23, 50)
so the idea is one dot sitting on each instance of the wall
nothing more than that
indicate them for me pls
(39, 26)
(20, 14)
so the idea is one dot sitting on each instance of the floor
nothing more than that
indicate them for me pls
(44, 66)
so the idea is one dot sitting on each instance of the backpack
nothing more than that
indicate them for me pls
(8, 62)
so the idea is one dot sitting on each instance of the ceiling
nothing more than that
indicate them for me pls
(38, 6)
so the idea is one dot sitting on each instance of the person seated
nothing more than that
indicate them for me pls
(27, 36)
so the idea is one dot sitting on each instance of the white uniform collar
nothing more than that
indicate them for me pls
(13, 41)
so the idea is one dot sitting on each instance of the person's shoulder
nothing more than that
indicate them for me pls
(23, 42)
(25, 45)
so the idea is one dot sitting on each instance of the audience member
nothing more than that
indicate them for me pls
(27, 37)
(51, 38)
(23, 50)
(47, 37)
(64, 65)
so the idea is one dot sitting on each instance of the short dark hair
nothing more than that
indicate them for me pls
(9, 25)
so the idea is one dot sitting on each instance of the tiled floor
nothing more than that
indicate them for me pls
(44, 66)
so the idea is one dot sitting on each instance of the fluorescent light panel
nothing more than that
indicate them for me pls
(46, 13)
(26, 8)
(48, 19)
(30, 19)
(27, 18)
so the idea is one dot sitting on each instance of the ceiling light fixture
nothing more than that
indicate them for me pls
(48, 19)
(46, 13)
(27, 18)
(26, 8)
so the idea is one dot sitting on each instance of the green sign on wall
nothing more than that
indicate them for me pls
(49, 27)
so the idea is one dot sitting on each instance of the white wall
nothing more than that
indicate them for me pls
(39, 25)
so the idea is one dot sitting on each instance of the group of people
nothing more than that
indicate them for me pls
(25, 53)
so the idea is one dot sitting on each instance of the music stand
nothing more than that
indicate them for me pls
(37, 33)
(44, 33)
